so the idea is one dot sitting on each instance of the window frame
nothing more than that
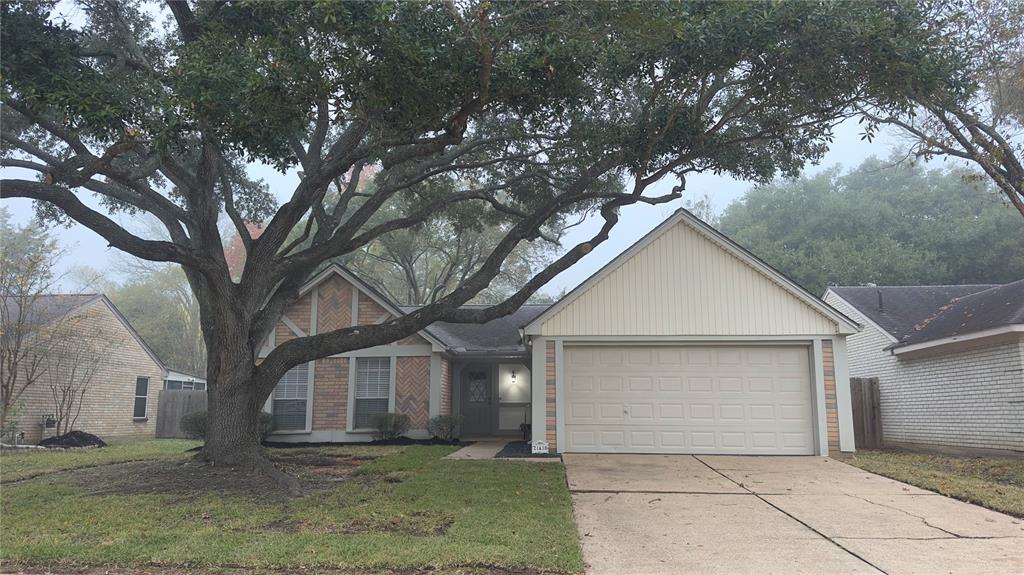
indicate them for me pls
(353, 372)
(136, 397)
(308, 427)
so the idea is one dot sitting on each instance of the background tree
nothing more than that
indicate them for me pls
(417, 266)
(890, 223)
(979, 116)
(27, 336)
(530, 112)
(159, 304)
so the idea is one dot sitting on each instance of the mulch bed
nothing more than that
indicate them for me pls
(190, 478)
(515, 449)
(399, 441)
(73, 439)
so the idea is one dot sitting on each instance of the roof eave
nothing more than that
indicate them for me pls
(902, 349)
(844, 325)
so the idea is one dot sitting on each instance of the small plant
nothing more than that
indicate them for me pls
(194, 424)
(444, 427)
(389, 426)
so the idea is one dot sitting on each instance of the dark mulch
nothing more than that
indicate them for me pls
(521, 449)
(399, 441)
(190, 478)
(73, 439)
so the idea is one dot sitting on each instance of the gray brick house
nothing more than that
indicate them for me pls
(949, 359)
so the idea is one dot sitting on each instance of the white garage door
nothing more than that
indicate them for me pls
(688, 399)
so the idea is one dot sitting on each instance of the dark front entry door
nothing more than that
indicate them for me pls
(477, 401)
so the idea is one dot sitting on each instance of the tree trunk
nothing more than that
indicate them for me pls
(234, 403)
(233, 434)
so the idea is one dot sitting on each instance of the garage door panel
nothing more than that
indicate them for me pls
(681, 399)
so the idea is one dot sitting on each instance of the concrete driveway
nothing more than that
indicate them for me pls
(648, 514)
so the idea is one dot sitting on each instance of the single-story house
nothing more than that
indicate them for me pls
(949, 362)
(684, 343)
(177, 379)
(120, 400)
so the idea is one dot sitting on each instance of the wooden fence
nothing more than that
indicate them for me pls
(867, 414)
(175, 404)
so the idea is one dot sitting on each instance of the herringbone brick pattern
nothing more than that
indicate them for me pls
(412, 389)
(334, 310)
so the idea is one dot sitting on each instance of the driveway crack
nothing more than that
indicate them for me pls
(905, 512)
(793, 517)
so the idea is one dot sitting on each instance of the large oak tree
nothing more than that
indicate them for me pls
(524, 111)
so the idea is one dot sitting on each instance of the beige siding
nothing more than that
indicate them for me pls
(109, 401)
(683, 283)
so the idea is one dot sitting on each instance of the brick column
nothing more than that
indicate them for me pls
(549, 396)
(831, 408)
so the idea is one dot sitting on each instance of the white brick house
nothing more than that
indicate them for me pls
(949, 360)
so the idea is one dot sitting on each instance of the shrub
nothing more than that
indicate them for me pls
(194, 424)
(390, 425)
(444, 427)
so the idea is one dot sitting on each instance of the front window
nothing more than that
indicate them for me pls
(141, 397)
(290, 399)
(373, 389)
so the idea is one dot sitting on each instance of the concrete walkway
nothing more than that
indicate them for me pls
(653, 514)
(488, 448)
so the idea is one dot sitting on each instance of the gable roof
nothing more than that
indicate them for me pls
(375, 295)
(982, 311)
(499, 336)
(683, 216)
(51, 307)
(896, 310)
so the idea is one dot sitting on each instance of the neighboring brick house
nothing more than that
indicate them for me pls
(121, 399)
(949, 360)
(643, 357)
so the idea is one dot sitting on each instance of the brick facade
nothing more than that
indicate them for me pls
(972, 398)
(831, 407)
(330, 393)
(446, 386)
(109, 402)
(331, 375)
(550, 414)
(412, 389)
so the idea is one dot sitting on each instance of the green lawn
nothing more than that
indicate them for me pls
(24, 464)
(399, 508)
(993, 482)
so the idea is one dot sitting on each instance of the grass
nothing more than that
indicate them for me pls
(25, 464)
(993, 482)
(405, 509)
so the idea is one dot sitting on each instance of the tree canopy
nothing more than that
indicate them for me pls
(885, 222)
(521, 113)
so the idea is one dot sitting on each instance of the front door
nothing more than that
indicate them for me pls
(477, 401)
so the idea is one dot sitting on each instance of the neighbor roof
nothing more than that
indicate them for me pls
(50, 307)
(898, 309)
(499, 335)
(992, 308)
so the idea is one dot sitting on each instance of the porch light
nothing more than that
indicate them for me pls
(513, 377)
